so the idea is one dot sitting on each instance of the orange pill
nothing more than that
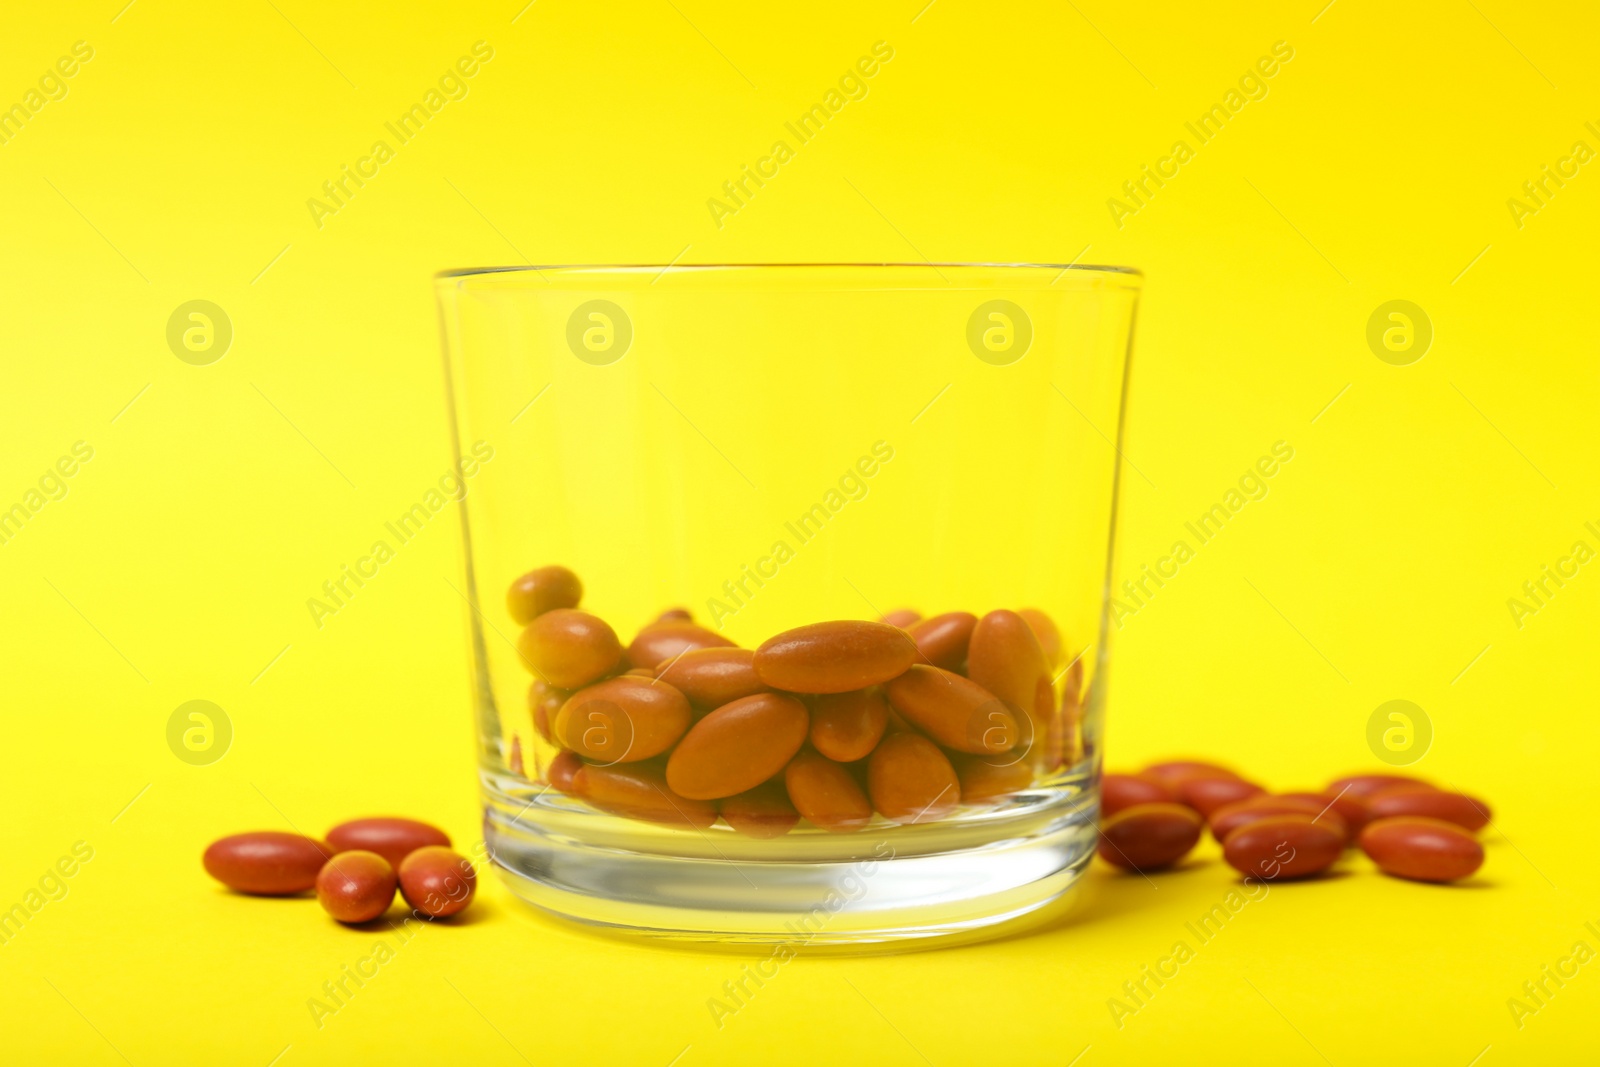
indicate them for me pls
(1283, 846)
(661, 641)
(622, 720)
(356, 886)
(569, 648)
(902, 618)
(911, 781)
(711, 677)
(1362, 786)
(942, 640)
(1004, 657)
(1230, 817)
(763, 812)
(437, 882)
(544, 700)
(392, 838)
(1467, 812)
(1148, 837)
(954, 711)
(826, 793)
(640, 791)
(562, 772)
(846, 727)
(542, 590)
(834, 657)
(1044, 629)
(1206, 795)
(1422, 849)
(1119, 791)
(738, 746)
(267, 863)
(986, 778)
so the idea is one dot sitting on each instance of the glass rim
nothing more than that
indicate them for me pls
(1134, 275)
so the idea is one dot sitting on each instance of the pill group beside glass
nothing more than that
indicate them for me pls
(835, 722)
(1406, 826)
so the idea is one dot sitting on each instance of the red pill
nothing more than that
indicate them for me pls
(392, 838)
(437, 882)
(267, 862)
(1206, 795)
(1469, 813)
(1148, 837)
(1424, 850)
(1174, 771)
(1362, 786)
(1230, 817)
(1352, 809)
(662, 641)
(763, 812)
(356, 886)
(846, 727)
(1283, 846)
(570, 648)
(542, 590)
(1119, 791)
(942, 640)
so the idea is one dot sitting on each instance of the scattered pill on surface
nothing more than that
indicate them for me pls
(1469, 813)
(1148, 837)
(1362, 786)
(356, 886)
(1228, 818)
(267, 862)
(1119, 791)
(391, 837)
(1206, 795)
(1283, 846)
(437, 882)
(1421, 849)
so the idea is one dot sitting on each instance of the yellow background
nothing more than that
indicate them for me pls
(1378, 166)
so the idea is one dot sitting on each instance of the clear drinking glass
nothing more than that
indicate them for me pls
(771, 446)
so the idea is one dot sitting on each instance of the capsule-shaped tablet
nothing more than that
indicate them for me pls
(942, 639)
(902, 618)
(1362, 786)
(711, 677)
(437, 882)
(390, 837)
(986, 778)
(544, 700)
(763, 812)
(1467, 812)
(954, 711)
(1045, 630)
(267, 862)
(846, 727)
(542, 590)
(738, 746)
(661, 641)
(1230, 817)
(834, 657)
(640, 791)
(1206, 795)
(1119, 791)
(1283, 846)
(1004, 657)
(622, 720)
(562, 772)
(356, 886)
(826, 794)
(569, 648)
(911, 781)
(1352, 809)
(1173, 771)
(1422, 849)
(1148, 837)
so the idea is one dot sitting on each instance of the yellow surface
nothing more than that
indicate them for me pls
(174, 565)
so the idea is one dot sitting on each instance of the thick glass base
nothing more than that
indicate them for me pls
(986, 873)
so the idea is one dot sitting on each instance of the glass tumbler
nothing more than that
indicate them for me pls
(921, 457)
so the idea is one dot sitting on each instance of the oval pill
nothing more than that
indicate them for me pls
(738, 746)
(569, 648)
(391, 837)
(563, 771)
(985, 778)
(356, 886)
(1174, 771)
(911, 781)
(846, 727)
(542, 590)
(1352, 809)
(661, 641)
(954, 711)
(1421, 849)
(1148, 837)
(1230, 817)
(763, 812)
(1362, 786)
(1469, 813)
(437, 882)
(942, 640)
(1045, 630)
(1206, 795)
(1119, 791)
(711, 677)
(267, 862)
(622, 720)
(826, 794)
(834, 657)
(1004, 657)
(902, 618)
(640, 791)
(1283, 846)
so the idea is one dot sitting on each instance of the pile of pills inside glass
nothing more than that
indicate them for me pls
(906, 718)
(355, 871)
(1409, 828)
